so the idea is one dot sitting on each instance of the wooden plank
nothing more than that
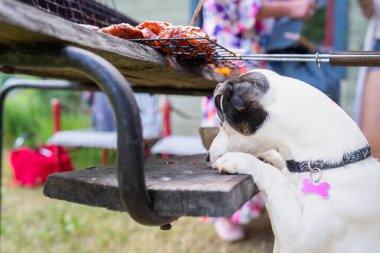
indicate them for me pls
(21, 24)
(182, 186)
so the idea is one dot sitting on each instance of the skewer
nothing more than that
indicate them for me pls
(344, 58)
(338, 58)
(196, 12)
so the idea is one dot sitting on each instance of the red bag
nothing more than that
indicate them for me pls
(32, 166)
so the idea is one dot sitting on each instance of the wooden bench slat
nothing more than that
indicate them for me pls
(181, 186)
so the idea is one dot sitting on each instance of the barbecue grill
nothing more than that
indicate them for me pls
(91, 12)
(104, 14)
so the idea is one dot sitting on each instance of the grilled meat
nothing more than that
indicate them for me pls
(124, 31)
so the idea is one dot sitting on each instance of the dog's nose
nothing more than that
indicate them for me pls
(208, 157)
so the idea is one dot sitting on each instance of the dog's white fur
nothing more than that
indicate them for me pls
(303, 124)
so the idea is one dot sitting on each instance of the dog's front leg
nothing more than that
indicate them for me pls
(283, 200)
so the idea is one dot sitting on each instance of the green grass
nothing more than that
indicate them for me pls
(34, 223)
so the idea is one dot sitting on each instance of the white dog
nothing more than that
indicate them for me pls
(326, 197)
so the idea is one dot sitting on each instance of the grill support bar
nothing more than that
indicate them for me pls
(130, 153)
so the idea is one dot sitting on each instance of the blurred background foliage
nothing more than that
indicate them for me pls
(29, 111)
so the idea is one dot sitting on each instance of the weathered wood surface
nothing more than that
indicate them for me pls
(184, 186)
(21, 25)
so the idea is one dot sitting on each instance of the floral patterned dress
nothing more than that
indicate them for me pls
(234, 25)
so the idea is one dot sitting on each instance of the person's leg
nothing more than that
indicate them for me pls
(227, 230)
(370, 111)
(231, 229)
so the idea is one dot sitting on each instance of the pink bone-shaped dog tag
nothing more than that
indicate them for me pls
(320, 189)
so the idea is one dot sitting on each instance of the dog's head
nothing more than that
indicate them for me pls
(262, 110)
(238, 102)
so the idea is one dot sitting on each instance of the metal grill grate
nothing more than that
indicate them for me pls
(83, 11)
(197, 49)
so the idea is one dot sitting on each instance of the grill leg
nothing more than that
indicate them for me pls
(130, 150)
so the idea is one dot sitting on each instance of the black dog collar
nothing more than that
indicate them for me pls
(348, 158)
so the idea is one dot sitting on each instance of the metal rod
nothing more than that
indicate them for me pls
(300, 57)
(130, 151)
(222, 55)
(273, 59)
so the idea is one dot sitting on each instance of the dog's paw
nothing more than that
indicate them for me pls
(234, 163)
(272, 157)
(225, 164)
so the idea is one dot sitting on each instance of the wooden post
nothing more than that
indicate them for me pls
(56, 110)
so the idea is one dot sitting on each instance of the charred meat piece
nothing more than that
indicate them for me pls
(151, 29)
(182, 32)
(159, 35)
(124, 31)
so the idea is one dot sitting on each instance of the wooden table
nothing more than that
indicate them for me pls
(38, 43)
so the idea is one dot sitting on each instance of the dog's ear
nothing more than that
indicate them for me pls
(258, 82)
